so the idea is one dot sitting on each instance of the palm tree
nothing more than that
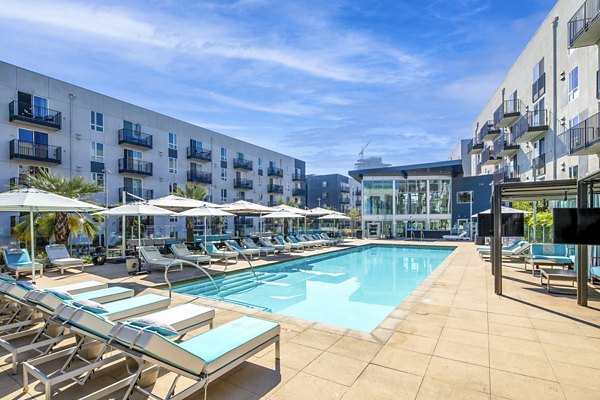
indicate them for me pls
(196, 192)
(61, 224)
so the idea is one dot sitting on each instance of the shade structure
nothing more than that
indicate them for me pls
(335, 216)
(318, 212)
(136, 209)
(296, 210)
(505, 210)
(34, 200)
(178, 203)
(283, 214)
(205, 212)
(243, 207)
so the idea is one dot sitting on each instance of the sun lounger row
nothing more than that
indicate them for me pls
(18, 261)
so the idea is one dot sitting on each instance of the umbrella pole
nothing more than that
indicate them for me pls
(205, 229)
(139, 233)
(31, 232)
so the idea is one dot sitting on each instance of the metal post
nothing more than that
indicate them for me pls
(124, 200)
(497, 240)
(554, 95)
(582, 251)
(471, 216)
(32, 236)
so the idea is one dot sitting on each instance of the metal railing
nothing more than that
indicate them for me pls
(585, 134)
(275, 171)
(242, 163)
(36, 152)
(135, 138)
(146, 194)
(243, 183)
(536, 120)
(26, 112)
(180, 263)
(199, 176)
(274, 188)
(487, 128)
(506, 174)
(508, 108)
(298, 192)
(133, 166)
(297, 177)
(199, 154)
(582, 19)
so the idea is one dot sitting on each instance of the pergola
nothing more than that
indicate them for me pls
(568, 189)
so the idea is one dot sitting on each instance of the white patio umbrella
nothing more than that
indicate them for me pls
(178, 203)
(135, 209)
(505, 210)
(34, 200)
(296, 210)
(205, 212)
(283, 214)
(335, 216)
(243, 207)
(319, 211)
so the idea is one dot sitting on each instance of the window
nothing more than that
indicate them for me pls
(324, 184)
(573, 122)
(26, 135)
(223, 154)
(224, 195)
(260, 163)
(173, 219)
(538, 70)
(98, 177)
(224, 174)
(463, 197)
(172, 165)
(97, 152)
(574, 84)
(240, 156)
(574, 172)
(134, 155)
(173, 141)
(172, 187)
(96, 121)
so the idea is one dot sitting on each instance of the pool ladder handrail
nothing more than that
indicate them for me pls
(249, 263)
(412, 236)
(180, 263)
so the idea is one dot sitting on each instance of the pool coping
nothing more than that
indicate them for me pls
(384, 329)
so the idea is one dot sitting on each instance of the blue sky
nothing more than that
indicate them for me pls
(312, 79)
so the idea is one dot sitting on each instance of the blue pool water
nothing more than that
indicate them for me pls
(354, 288)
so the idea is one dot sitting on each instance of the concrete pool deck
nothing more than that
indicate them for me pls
(452, 338)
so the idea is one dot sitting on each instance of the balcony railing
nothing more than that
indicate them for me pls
(297, 177)
(199, 176)
(273, 188)
(504, 147)
(17, 181)
(358, 192)
(532, 126)
(35, 152)
(35, 115)
(538, 165)
(146, 194)
(508, 173)
(508, 113)
(488, 132)
(242, 183)
(134, 138)
(298, 192)
(475, 146)
(241, 163)
(583, 27)
(273, 203)
(133, 166)
(274, 171)
(538, 89)
(584, 138)
(487, 157)
(344, 200)
(199, 154)
(358, 203)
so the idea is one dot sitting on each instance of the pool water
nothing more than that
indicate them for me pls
(354, 288)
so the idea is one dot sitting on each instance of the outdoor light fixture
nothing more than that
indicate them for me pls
(563, 76)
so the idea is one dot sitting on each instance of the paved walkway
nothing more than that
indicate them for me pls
(451, 339)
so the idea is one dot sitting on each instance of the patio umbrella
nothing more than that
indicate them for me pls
(283, 214)
(136, 209)
(296, 210)
(318, 212)
(34, 200)
(178, 203)
(243, 207)
(335, 216)
(505, 210)
(205, 212)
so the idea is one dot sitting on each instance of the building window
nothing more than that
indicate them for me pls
(172, 165)
(379, 197)
(439, 225)
(26, 135)
(463, 197)
(224, 195)
(574, 172)
(173, 141)
(173, 220)
(324, 184)
(573, 122)
(98, 177)
(223, 154)
(172, 187)
(96, 121)
(574, 84)
(439, 196)
(260, 163)
(411, 196)
(97, 152)
(224, 174)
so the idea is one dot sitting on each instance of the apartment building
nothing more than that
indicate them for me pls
(50, 124)
(542, 121)
(334, 191)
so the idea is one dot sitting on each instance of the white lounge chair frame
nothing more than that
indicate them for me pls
(182, 252)
(59, 258)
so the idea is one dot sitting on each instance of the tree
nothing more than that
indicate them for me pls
(355, 217)
(61, 225)
(196, 192)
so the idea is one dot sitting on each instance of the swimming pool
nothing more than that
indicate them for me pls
(353, 288)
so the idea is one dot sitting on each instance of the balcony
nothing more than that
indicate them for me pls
(34, 115)
(475, 147)
(584, 138)
(538, 89)
(584, 29)
(274, 171)
(21, 150)
(538, 164)
(146, 194)
(18, 181)
(298, 192)
(487, 157)
(134, 138)
(344, 200)
(242, 184)
(272, 188)
(199, 154)
(136, 167)
(508, 173)
(504, 147)
(531, 127)
(241, 163)
(488, 132)
(508, 113)
(358, 203)
(345, 189)
(297, 177)
(199, 176)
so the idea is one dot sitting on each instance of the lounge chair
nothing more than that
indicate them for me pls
(296, 245)
(203, 358)
(220, 255)
(282, 248)
(94, 328)
(59, 257)
(263, 250)
(595, 273)
(487, 249)
(318, 240)
(303, 240)
(461, 236)
(325, 236)
(18, 262)
(549, 254)
(152, 257)
(234, 246)
(182, 252)
(516, 250)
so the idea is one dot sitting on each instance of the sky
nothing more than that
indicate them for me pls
(316, 80)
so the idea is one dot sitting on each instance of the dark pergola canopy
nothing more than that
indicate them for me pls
(540, 190)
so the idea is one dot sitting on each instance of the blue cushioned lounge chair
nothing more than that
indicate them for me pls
(550, 255)
(18, 262)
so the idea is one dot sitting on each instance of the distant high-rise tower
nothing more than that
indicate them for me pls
(369, 163)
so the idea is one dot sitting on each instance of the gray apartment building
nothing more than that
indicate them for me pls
(334, 191)
(542, 122)
(50, 124)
